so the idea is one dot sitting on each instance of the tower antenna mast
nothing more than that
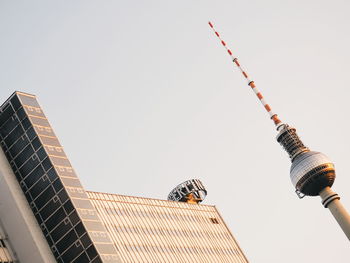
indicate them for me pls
(250, 82)
(312, 173)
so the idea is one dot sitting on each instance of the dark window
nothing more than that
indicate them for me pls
(15, 103)
(56, 218)
(39, 187)
(74, 218)
(85, 240)
(41, 153)
(26, 123)
(47, 164)
(57, 185)
(19, 145)
(14, 135)
(6, 114)
(72, 253)
(63, 196)
(66, 241)
(82, 259)
(31, 133)
(61, 230)
(68, 206)
(214, 220)
(92, 252)
(21, 114)
(79, 228)
(36, 143)
(8, 126)
(52, 175)
(34, 176)
(24, 156)
(50, 208)
(44, 197)
(29, 166)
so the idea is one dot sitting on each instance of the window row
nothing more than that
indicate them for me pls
(156, 214)
(180, 249)
(147, 231)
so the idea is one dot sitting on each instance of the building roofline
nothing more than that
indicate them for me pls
(15, 93)
(149, 198)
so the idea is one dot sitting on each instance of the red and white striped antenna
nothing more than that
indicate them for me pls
(267, 107)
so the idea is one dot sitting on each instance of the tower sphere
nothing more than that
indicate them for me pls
(311, 172)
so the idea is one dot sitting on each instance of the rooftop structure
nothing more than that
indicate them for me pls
(46, 215)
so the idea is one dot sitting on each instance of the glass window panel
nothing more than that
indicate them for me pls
(56, 218)
(80, 229)
(72, 253)
(74, 218)
(41, 153)
(15, 102)
(63, 196)
(85, 240)
(67, 241)
(49, 209)
(29, 166)
(68, 206)
(82, 259)
(57, 185)
(6, 114)
(19, 145)
(92, 252)
(21, 114)
(34, 176)
(8, 126)
(39, 187)
(52, 174)
(14, 136)
(44, 197)
(61, 230)
(26, 123)
(24, 156)
(47, 164)
(36, 143)
(31, 133)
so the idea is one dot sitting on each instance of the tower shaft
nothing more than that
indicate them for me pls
(330, 200)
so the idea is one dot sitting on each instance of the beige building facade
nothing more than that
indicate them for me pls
(46, 215)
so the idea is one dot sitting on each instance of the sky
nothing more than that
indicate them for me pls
(142, 96)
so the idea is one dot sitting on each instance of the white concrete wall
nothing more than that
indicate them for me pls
(18, 221)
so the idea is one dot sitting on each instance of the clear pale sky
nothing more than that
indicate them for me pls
(142, 97)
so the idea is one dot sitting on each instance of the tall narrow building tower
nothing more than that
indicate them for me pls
(47, 216)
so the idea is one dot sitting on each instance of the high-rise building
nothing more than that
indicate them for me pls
(47, 216)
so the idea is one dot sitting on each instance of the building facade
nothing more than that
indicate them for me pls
(47, 216)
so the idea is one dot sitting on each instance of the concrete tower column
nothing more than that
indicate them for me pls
(330, 200)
